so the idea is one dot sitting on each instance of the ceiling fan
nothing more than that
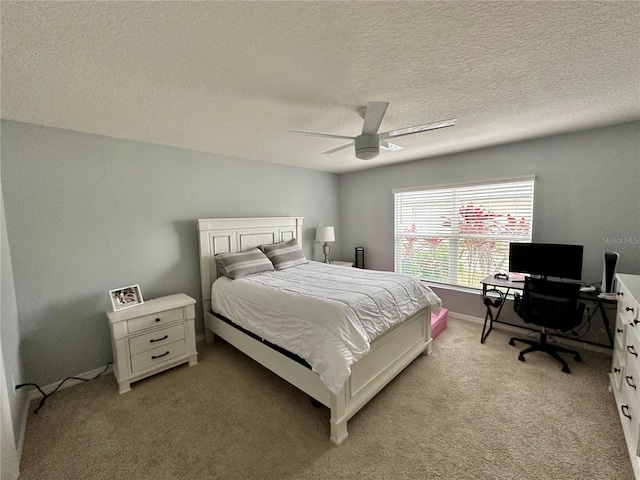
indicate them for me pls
(369, 142)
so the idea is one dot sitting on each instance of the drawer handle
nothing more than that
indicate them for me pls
(631, 324)
(619, 330)
(629, 380)
(616, 370)
(629, 309)
(158, 339)
(160, 356)
(620, 293)
(625, 411)
(158, 319)
(632, 350)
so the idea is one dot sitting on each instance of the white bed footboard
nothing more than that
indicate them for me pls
(389, 354)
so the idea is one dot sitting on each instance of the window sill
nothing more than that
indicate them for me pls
(457, 288)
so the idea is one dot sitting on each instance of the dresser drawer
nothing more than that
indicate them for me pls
(620, 333)
(630, 424)
(627, 306)
(631, 378)
(148, 321)
(630, 385)
(155, 356)
(632, 351)
(157, 338)
(617, 370)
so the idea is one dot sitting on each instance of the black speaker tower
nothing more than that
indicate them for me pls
(359, 257)
(609, 272)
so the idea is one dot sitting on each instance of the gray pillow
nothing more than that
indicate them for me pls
(219, 267)
(240, 264)
(285, 254)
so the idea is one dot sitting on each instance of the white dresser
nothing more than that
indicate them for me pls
(152, 337)
(625, 370)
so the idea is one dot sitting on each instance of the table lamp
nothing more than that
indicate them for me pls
(325, 234)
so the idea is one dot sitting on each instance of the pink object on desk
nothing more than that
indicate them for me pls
(439, 322)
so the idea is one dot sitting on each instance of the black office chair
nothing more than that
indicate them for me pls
(549, 305)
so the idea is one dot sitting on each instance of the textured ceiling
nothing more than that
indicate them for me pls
(233, 78)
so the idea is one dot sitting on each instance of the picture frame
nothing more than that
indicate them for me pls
(125, 297)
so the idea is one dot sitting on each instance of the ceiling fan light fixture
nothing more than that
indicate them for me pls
(369, 142)
(367, 146)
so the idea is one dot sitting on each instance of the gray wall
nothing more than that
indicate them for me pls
(586, 192)
(86, 214)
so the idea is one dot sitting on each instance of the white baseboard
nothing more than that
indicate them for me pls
(34, 394)
(71, 382)
(575, 344)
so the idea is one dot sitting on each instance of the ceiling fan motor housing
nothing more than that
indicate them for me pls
(367, 146)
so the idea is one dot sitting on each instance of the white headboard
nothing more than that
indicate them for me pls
(220, 235)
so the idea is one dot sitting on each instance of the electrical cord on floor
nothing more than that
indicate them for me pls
(47, 395)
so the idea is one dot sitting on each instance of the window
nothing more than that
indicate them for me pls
(459, 234)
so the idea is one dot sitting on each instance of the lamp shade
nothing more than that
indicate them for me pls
(325, 234)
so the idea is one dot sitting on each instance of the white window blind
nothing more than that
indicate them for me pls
(459, 234)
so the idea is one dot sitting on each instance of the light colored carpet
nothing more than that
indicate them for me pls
(467, 411)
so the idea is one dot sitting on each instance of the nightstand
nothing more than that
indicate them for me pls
(341, 263)
(152, 337)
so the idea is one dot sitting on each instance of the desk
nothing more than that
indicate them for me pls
(508, 285)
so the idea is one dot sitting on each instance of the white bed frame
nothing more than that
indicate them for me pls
(389, 355)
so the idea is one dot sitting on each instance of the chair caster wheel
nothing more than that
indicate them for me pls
(566, 370)
(512, 343)
(521, 358)
(578, 358)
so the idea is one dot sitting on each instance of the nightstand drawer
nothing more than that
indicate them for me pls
(142, 343)
(155, 356)
(148, 321)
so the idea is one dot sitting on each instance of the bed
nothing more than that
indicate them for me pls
(389, 352)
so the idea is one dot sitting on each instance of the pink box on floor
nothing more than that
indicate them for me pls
(439, 322)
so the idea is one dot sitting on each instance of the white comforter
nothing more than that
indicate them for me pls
(326, 314)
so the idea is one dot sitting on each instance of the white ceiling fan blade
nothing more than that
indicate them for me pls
(392, 147)
(338, 149)
(418, 128)
(312, 134)
(373, 117)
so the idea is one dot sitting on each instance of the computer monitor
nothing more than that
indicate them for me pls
(546, 259)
